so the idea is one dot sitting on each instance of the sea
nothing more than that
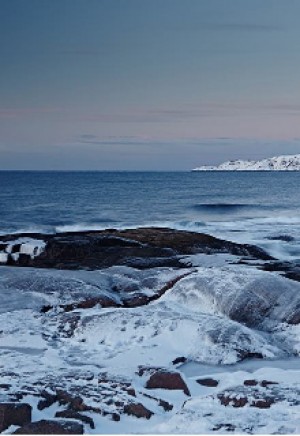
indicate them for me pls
(261, 208)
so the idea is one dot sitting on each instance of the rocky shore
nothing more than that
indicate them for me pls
(97, 327)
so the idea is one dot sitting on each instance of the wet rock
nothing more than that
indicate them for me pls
(141, 248)
(14, 414)
(51, 427)
(209, 382)
(71, 414)
(167, 380)
(138, 410)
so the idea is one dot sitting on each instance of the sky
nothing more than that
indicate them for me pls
(147, 84)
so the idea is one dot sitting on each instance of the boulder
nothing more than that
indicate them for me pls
(138, 410)
(71, 414)
(14, 414)
(51, 427)
(167, 380)
(209, 382)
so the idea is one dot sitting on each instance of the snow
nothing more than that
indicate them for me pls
(278, 163)
(196, 319)
(31, 247)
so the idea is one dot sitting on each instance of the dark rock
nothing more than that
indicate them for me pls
(115, 417)
(131, 392)
(51, 427)
(138, 410)
(179, 360)
(165, 405)
(48, 400)
(285, 238)
(226, 427)
(227, 400)
(142, 248)
(167, 380)
(209, 382)
(5, 386)
(14, 414)
(16, 248)
(243, 354)
(250, 382)
(74, 403)
(71, 414)
(265, 383)
(264, 403)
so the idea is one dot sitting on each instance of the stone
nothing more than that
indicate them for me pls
(179, 360)
(138, 410)
(209, 382)
(14, 414)
(250, 382)
(51, 427)
(167, 380)
(234, 401)
(71, 414)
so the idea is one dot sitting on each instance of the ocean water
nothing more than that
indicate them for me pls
(250, 207)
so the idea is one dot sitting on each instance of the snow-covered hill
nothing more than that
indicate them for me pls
(279, 163)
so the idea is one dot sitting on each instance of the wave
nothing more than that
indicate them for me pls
(224, 206)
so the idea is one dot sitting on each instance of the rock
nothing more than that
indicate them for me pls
(209, 382)
(179, 360)
(14, 414)
(48, 400)
(51, 427)
(138, 410)
(75, 415)
(227, 427)
(250, 382)
(5, 386)
(140, 248)
(148, 370)
(265, 383)
(234, 401)
(264, 403)
(165, 405)
(167, 380)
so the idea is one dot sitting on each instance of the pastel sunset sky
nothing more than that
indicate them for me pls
(147, 84)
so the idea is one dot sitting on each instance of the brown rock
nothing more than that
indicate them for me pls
(167, 380)
(14, 414)
(71, 414)
(232, 401)
(51, 427)
(264, 403)
(209, 382)
(48, 400)
(138, 410)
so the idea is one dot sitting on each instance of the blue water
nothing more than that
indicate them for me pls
(241, 206)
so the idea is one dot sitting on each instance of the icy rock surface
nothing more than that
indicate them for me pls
(87, 361)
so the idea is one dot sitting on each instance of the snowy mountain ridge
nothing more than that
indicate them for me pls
(277, 163)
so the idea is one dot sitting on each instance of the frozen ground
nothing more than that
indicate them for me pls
(220, 317)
